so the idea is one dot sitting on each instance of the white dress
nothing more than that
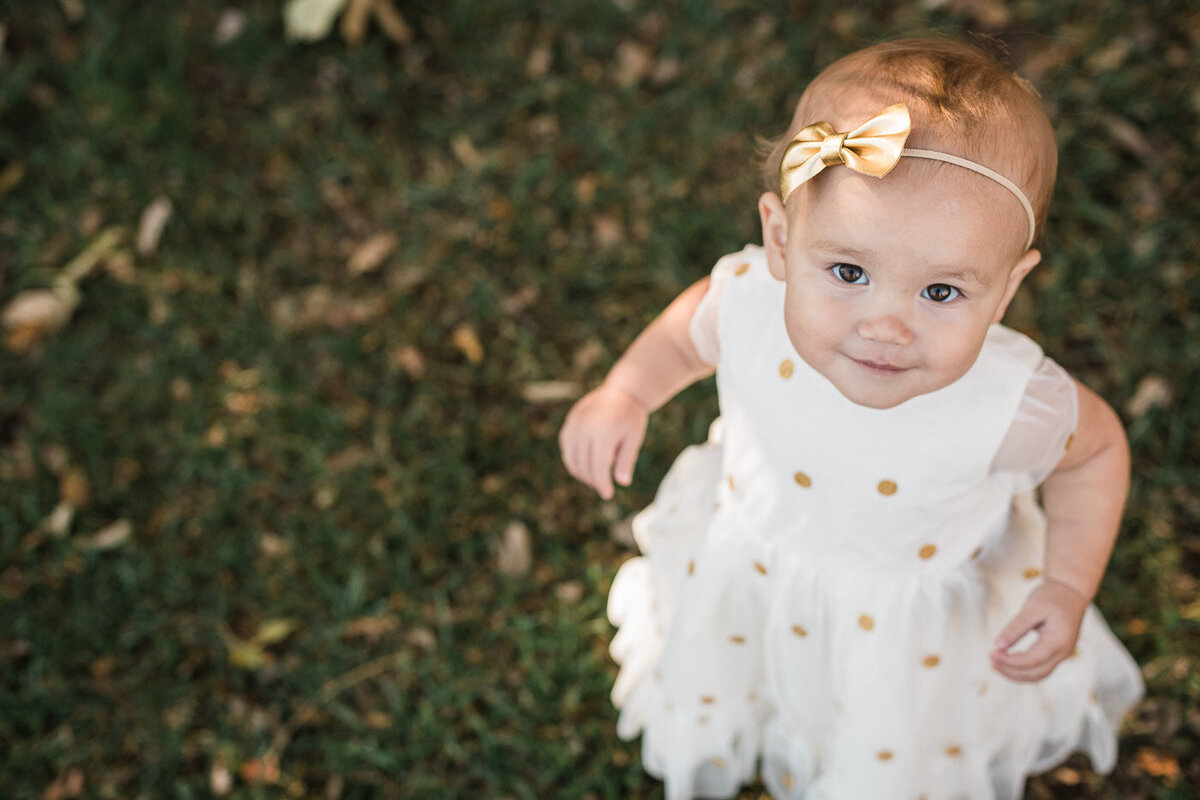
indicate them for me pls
(821, 583)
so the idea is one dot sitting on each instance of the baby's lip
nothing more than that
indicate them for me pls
(879, 366)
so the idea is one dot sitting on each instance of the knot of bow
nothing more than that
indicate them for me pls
(872, 148)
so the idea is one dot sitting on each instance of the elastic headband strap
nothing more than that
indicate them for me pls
(934, 155)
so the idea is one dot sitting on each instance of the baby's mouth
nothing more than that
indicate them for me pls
(879, 367)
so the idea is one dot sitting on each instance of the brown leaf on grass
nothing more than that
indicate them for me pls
(152, 223)
(65, 786)
(392, 23)
(409, 359)
(11, 176)
(369, 255)
(109, 537)
(569, 592)
(220, 780)
(464, 150)
(1152, 392)
(354, 21)
(74, 489)
(273, 631)
(229, 27)
(251, 654)
(513, 551)
(539, 61)
(633, 63)
(310, 20)
(1157, 763)
(467, 342)
(1131, 138)
(607, 231)
(259, 771)
(36, 312)
(58, 521)
(550, 391)
(370, 628)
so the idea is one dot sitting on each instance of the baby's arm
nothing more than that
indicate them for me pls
(604, 430)
(1083, 497)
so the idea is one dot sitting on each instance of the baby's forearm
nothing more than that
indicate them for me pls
(662, 360)
(1084, 498)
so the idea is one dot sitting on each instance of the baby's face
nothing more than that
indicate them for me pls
(892, 283)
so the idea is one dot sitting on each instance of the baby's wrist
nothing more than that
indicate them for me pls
(612, 385)
(1082, 595)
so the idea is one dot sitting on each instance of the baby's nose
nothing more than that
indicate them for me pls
(886, 329)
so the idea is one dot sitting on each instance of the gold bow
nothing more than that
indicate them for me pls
(872, 148)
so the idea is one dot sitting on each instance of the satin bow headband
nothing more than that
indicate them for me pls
(872, 148)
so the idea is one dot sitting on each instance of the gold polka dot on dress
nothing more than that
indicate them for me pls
(786, 368)
(887, 488)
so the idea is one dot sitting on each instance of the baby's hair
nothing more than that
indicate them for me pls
(961, 99)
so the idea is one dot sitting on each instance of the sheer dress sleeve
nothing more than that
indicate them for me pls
(703, 327)
(1043, 427)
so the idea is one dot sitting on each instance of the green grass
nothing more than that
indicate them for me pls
(252, 408)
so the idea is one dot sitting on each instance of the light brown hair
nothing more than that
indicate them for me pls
(961, 99)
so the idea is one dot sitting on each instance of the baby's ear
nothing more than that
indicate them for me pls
(774, 232)
(1022, 268)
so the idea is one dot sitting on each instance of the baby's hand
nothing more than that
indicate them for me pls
(604, 428)
(1055, 611)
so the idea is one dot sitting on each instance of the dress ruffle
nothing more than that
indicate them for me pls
(741, 657)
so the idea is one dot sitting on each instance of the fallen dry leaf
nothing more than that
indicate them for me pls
(569, 592)
(370, 628)
(272, 631)
(513, 552)
(607, 231)
(1152, 392)
(260, 771)
(74, 489)
(369, 255)
(354, 21)
(310, 20)
(409, 359)
(220, 780)
(633, 63)
(466, 153)
(1158, 763)
(467, 342)
(109, 537)
(65, 786)
(229, 26)
(152, 223)
(422, 638)
(539, 61)
(392, 23)
(39, 311)
(10, 177)
(58, 522)
(551, 391)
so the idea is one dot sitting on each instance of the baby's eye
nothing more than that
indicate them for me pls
(940, 293)
(848, 273)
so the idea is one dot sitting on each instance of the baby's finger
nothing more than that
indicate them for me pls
(627, 454)
(599, 466)
(1022, 625)
(1026, 674)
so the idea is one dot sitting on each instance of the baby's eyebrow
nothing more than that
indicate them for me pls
(963, 275)
(840, 249)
